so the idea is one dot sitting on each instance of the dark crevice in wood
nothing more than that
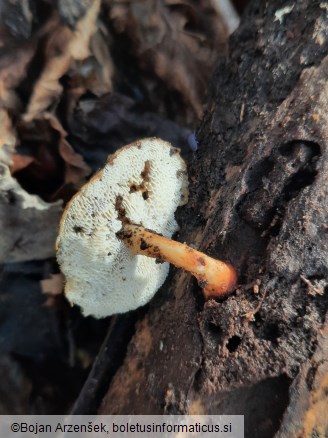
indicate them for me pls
(109, 359)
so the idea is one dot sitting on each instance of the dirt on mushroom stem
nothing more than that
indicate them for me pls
(216, 278)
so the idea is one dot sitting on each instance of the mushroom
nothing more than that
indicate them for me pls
(106, 233)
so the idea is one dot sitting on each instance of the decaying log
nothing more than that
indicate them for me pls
(307, 412)
(259, 199)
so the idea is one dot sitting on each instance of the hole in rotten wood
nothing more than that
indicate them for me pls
(233, 343)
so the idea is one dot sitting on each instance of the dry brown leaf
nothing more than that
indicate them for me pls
(53, 285)
(7, 138)
(13, 65)
(15, 58)
(99, 48)
(93, 74)
(45, 163)
(76, 168)
(179, 41)
(64, 47)
(19, 162)
(30, 224)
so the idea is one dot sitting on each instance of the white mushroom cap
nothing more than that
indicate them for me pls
(143, 183)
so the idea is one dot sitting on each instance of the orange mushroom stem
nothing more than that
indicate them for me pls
(215, 277)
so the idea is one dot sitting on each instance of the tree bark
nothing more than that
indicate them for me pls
(258, 199)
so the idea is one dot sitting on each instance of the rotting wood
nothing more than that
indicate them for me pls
(259, 192)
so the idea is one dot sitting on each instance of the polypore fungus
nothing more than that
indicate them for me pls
(112, 262)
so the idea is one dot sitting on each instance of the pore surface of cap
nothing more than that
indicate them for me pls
(142, 183)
